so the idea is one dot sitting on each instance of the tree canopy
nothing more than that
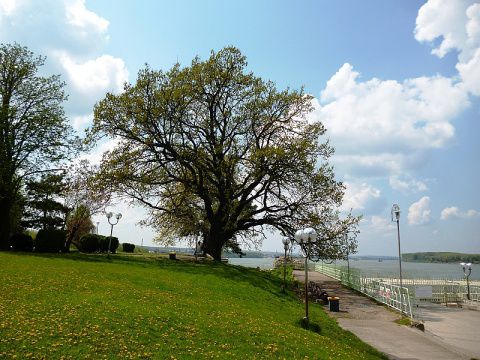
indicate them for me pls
(43, 204)
(34, 133)
(212, 149)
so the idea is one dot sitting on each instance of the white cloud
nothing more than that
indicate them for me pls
(81, 121)
(445, 19)
(73, 39)
(97, 76)
(419, 212)
(8, 7)
(388, 115)
(384, 127)
(362, 197)
(82, 18)
(455, 23)
(454, 212)
(52, 25)
(95, 156)
(456, 26)
(407, 183)
(381, 224)
(470, 74)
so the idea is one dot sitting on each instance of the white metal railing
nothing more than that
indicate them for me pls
(384, 292)
(387, 290)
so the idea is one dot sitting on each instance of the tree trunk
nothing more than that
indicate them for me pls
(213, 245)
(5, 224)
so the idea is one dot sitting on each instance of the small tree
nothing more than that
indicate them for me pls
(79, 223)
(81, 189)
(43, 206)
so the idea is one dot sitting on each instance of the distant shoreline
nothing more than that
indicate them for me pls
(441, 257)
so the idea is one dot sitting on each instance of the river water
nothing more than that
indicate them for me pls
(385, 268)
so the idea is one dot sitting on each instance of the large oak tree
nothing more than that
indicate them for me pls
(213, 149)
(34, 133)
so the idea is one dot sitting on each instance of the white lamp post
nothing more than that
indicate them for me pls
(286, 244)
(396, 217)
(465, 267)
(347, 249)
(110, 216)
(305, 238)
(199, 233)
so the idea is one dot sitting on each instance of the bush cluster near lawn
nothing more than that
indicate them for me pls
(127, 247)
(91, 243)
(50, 240)
(84, 306)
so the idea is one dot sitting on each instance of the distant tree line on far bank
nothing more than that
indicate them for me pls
(441, 257)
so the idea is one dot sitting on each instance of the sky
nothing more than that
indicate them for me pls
(396, 83)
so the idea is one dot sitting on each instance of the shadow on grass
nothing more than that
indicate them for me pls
(309, 325)
(257, 278)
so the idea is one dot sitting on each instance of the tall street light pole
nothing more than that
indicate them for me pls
(465, 266)
(396, 217)
(347, 249)
(286, 243)
(305, 238)
(199, 234)
(110, 216)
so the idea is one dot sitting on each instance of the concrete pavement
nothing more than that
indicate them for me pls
(449, 333)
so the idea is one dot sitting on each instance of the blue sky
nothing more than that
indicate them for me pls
(397, 84)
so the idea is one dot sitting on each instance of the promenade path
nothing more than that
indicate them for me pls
(450, 333)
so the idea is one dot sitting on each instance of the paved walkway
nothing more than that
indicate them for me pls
(449, 333)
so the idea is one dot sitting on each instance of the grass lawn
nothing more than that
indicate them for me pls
(86, 306)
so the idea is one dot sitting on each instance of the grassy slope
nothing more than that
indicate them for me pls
(89, 307)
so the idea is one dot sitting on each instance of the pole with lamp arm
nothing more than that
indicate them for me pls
(347, 250)
(286, 243)
(305, 238)
(396, 217)
(465, 267)
(199, 233)
(110, 216)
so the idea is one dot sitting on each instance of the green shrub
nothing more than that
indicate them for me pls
(113, 245)
(50, 240)
(22, 242)
(89, 243)
(129, 248)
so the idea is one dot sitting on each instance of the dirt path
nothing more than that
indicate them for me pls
(375, 325)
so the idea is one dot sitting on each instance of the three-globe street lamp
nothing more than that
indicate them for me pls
(286, 245)
(305, 238)
(396, 217)
(465, 267)
(110, 216)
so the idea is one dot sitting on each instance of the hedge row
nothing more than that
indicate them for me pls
(54, 241)
(91, 243)
(45, 241)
